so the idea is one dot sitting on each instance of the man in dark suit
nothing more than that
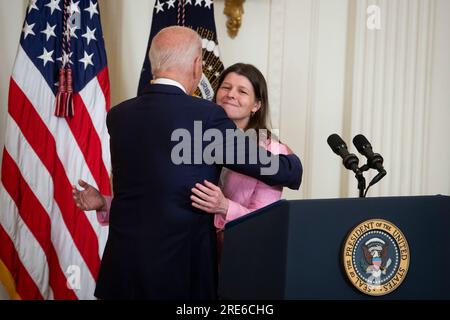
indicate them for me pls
(159, 246)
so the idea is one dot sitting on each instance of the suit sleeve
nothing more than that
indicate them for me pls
(242, 154)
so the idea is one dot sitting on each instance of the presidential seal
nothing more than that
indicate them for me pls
(376, 257)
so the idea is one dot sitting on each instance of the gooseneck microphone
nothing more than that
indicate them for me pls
(374, 160)
(350, 161)
(339, 147)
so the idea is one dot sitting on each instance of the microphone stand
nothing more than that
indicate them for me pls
(361, 183)
(362, 180)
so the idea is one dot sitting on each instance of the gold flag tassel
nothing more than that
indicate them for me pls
(69, 101)
(61, 96)
(64, 96)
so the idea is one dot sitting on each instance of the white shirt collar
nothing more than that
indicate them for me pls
(169, 82)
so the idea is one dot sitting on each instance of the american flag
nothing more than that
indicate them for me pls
(49, 249)
(199, 16)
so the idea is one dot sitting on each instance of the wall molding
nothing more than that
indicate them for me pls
(275, 59)
(311, 92)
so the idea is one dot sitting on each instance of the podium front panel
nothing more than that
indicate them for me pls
(293, 249)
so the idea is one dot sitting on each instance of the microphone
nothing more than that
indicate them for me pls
(339, 147)
(374, 160)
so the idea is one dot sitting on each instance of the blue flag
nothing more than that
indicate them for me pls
(199, 16)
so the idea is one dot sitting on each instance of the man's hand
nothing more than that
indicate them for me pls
(89, 198)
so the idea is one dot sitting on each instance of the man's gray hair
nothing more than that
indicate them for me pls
(174, 47)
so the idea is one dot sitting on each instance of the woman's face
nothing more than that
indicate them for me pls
(237, 97)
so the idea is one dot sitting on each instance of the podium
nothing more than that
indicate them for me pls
(293, 250)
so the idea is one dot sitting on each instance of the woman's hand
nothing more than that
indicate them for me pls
(209, 198)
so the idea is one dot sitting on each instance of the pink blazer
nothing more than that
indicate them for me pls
(247, 194)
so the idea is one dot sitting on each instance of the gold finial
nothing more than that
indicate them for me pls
(234, 10)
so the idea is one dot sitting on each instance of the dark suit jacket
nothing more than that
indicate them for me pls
(159, 246)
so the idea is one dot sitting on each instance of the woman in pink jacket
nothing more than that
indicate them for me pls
(242, 92)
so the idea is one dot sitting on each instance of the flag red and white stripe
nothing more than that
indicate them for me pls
(51, 249)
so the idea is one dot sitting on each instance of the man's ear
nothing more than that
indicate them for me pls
(197, 67)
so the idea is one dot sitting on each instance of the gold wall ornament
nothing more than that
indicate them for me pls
(234, 10)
